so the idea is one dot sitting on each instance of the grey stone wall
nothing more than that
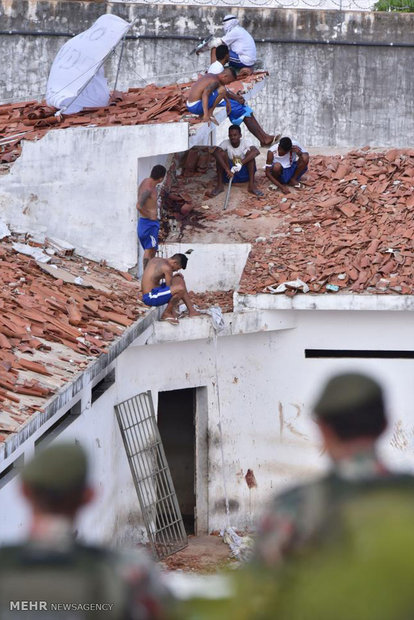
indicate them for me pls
(356, 90)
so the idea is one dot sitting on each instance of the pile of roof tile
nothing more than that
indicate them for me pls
(352, 229)
(31, 120)
(224, 299)
(50, 329)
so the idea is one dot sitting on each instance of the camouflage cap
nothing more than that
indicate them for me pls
(347, 392)
(60, 467)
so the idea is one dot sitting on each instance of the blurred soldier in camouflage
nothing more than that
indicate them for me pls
(51, 575)
(341, 547)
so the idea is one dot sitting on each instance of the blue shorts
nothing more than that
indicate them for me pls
(148, 233)
(159, 296)
(197, 107)
(238, 110)
(240, 177)
(234, 61)
(287, 173)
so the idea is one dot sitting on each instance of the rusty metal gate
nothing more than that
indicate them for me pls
(151, 475)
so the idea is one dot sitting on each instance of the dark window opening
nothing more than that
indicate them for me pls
(176, 423)
(58, 427)
(103, 385)
(361, 354)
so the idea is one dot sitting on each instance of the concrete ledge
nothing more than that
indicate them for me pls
(201, 328)
(324, 302)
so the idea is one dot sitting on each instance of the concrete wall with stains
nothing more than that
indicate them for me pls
(81, 185)
(357, 90)
(259, 388)
(266, 389)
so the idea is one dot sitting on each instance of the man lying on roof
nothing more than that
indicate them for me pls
(235, 158)
(210, 92)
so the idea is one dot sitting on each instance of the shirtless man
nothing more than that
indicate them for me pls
(161, 285)
(149, 223)
(210, 92)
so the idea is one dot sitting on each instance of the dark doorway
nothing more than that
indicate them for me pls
(176, 423)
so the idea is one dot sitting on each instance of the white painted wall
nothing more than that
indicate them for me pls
(213, 267)
(266, 389)
(114, 516)
(80, 184)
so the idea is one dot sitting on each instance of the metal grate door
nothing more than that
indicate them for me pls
(151, 475)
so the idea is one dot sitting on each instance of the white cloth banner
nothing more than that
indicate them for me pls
(77, 79)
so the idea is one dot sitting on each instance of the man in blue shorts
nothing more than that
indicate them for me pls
(161, 285)
(285, 164)
(147, 205)
(210, 92)
(235, 158)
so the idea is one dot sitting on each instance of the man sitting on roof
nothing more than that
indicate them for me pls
(219, 58)
(161, 285)
(285, 164)
(241, 44)
(235, 158)
(210, 91)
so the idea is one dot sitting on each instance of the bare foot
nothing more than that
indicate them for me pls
(215, 192)
(194, 313)
(255, 191)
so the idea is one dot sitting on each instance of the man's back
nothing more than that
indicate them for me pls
(74, 581)
(154, 272)
(198, 87)
(147, 199)
(353, 554)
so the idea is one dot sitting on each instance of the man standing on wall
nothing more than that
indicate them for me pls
(147, 205)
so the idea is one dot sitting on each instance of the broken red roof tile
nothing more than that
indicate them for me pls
(53, 329)
(152, 104)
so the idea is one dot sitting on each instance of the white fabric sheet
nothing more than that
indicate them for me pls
(77, 79)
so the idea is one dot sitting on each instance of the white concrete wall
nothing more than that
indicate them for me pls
(266, 392)
(213, 267)
(266, 389)
(80, 185)
(114, 517)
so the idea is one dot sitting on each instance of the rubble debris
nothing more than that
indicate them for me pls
(32, 251)
(51, 329)
(63, 248)
(31, 120)
(357, 221)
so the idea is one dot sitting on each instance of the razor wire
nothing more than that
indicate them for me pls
(358, 5)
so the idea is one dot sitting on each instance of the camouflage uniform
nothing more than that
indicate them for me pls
(342, 547)
(303, 515)
(51, 575)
